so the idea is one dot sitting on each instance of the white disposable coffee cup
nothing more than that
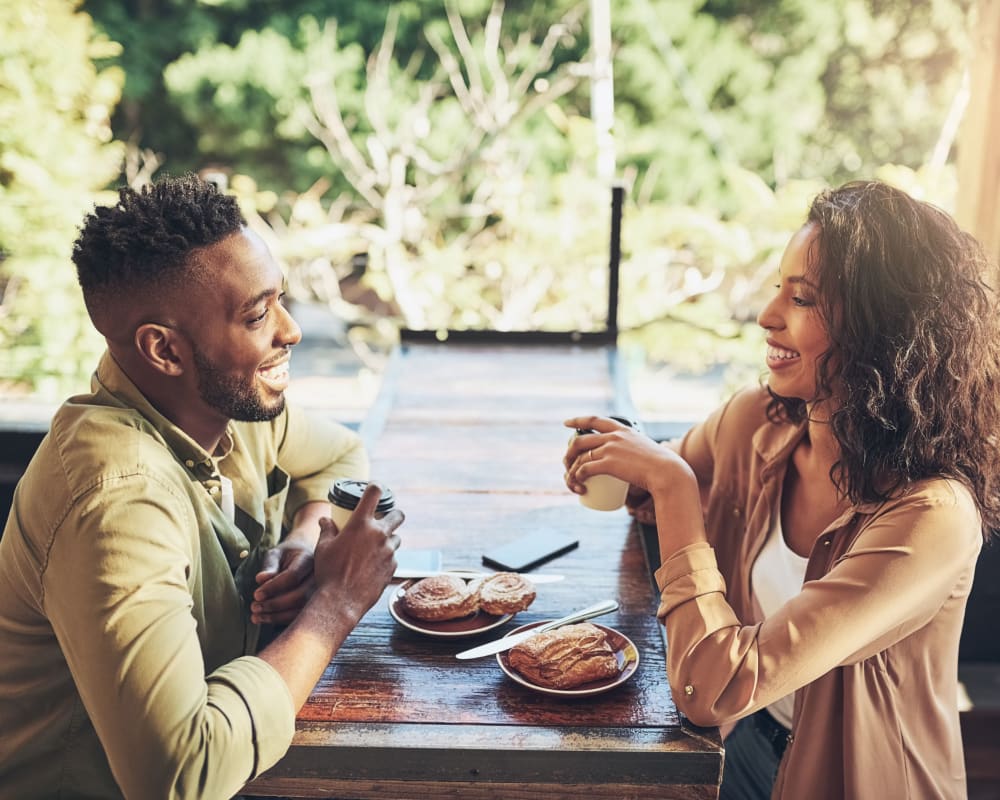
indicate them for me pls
(345, 494)
(605, 492)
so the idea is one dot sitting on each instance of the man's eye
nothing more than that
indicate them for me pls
(258, 319)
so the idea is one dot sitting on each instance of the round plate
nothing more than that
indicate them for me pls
(449, 628)
(625, 651)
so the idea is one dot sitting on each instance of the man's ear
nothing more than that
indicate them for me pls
(162, 347)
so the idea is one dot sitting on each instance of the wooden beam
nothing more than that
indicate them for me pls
(978, 207)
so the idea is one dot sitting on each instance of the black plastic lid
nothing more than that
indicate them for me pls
(623, 420)
(347, 493)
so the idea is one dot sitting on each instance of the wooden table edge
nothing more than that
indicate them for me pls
(357, 754)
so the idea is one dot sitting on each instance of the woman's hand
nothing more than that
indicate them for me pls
(623, 452)
(639, 503)
(654, 472)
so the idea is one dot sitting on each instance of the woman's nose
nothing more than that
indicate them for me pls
(769, 318)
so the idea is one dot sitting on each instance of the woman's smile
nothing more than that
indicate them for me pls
(779, 357)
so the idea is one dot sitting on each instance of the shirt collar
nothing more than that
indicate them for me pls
(774, 444)
(111, 379)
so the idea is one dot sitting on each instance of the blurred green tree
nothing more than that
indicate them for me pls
(218, 82)
(56, 151)
(789, 89)
(786, 88)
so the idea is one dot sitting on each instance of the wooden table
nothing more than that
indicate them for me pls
(470, 439)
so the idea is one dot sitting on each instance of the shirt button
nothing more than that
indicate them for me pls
(689, 690)
(244, 553)
(736, 512)
(826, 542)
(189, 463)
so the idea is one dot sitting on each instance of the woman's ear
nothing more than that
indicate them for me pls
(163, 348)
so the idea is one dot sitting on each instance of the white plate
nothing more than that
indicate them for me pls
(624, 649)
(449, 628)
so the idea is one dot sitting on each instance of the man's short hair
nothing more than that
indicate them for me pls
(146, 240)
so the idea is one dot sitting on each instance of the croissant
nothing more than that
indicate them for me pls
(439, 598)
(565, 657)
(504, 593)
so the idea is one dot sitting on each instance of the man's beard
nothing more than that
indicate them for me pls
(234, 396)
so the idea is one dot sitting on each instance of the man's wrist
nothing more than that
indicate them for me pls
(336, 606)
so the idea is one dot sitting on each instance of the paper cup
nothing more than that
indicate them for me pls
(345, 494)
(605, 492)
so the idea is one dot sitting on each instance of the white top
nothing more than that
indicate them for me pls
(227, 502)
(776, 578)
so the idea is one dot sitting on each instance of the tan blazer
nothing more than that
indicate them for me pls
(870, 645)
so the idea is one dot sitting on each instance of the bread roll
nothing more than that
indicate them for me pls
(566, 657)
(439, 598)
(504, 593)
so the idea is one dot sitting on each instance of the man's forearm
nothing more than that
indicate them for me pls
(305, 525)
(304, 649)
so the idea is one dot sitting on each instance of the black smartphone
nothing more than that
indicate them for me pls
(528, 551)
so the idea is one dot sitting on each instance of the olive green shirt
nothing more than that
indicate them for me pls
(126, 647)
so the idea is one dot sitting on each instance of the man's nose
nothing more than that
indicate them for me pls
(289, 332)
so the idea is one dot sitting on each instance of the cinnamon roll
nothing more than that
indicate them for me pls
(439, 598)
(504, 593)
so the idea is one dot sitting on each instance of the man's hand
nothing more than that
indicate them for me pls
(284, 583)
(357, 563)
(351, 569)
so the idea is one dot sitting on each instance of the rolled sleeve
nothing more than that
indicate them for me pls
(690, 573)
(251, 694)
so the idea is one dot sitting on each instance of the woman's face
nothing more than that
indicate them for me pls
(797, 335)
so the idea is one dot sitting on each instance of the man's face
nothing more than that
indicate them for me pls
(234, 395)
(240, 330)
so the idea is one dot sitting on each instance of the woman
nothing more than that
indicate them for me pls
(818, 536)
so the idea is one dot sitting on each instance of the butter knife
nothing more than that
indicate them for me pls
(507, 642)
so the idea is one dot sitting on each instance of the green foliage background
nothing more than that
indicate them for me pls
(452, 143)
(56, 150)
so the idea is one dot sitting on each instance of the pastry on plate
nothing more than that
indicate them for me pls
(566, 657)
(439, 598)
(504, 593)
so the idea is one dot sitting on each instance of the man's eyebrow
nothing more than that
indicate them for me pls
(257, 298)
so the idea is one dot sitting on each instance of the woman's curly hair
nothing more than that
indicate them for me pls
(146, 241)
(914, 322)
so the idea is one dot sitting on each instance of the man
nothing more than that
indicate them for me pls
(167, 516)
